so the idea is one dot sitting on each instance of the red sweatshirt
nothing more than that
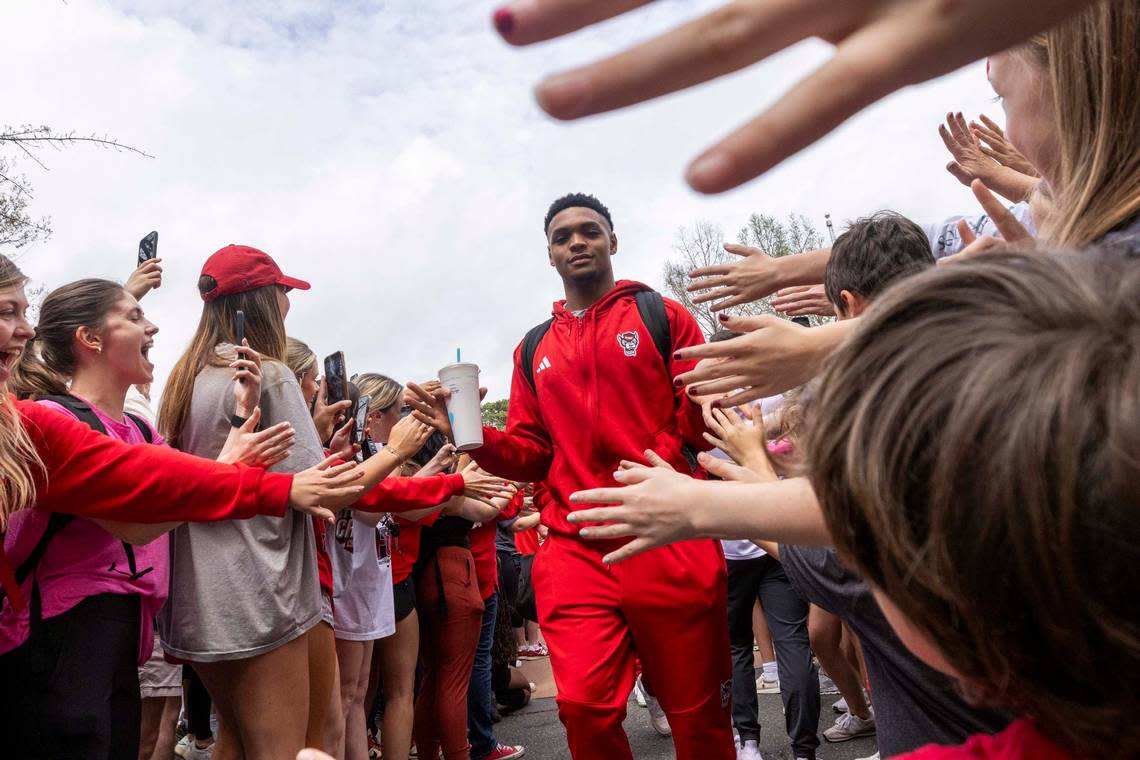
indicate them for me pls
(483, 547)
(93, 475)
(603, 395)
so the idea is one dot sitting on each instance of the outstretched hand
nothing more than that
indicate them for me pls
(772, 356)
(1013, 232)
(881, 46)
(325, 487)
(995, 145)
(652, 505)
(751, 277)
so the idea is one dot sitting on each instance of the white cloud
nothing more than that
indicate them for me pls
(391, 153)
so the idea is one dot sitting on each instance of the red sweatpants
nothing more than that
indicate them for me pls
(448, 639)
(666, 606)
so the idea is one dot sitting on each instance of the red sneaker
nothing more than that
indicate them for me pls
(503, 752)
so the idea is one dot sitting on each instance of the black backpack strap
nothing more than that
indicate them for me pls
(651, 307)
(80, 409)
(83, 411)
(57, 522)
(530, 343)
(142, 425)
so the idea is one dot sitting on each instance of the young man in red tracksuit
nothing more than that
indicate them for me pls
(602, 393)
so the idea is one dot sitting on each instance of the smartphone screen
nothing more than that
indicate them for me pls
(239, 331)
(361, 418)
(335, 378)
(148, 248)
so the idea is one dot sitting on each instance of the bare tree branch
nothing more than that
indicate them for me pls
(29, 138)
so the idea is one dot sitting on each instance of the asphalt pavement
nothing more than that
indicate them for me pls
(537, 728)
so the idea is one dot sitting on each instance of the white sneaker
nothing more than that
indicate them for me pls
(848, 726)
(869, 757)
(750, 750)
(656, 714)
(766, 686)
(638, 694)
(183, 743)
(826, 685)
(840, 706)
(194, 752)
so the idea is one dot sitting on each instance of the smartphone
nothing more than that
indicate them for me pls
(361, 419)
(239, 331)
(148, 248)
(336, 378)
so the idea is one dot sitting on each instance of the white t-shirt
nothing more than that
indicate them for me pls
(945, 240)
(363, 607)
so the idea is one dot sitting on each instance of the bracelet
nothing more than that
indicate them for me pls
(237, 421)
(394, 452)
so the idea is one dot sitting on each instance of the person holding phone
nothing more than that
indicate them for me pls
(247, 641)
(73, 579)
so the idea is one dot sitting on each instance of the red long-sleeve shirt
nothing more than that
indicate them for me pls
(93, 475)
(602, 394)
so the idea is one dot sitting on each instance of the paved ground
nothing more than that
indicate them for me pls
(538, 729)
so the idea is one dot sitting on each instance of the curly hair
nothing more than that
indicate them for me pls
(577, 200)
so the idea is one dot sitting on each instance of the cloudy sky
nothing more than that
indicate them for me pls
(391, 153)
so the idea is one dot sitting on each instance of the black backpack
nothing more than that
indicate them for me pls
(651, 308)
(58, 520)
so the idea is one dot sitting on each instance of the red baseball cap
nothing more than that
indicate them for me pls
(240, 268)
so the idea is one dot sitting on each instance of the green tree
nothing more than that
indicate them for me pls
(495, 413)
(702, 245)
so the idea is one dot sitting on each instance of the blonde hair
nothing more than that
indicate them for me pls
(20, 463)
(1093, 62)
(299, 357)
(264, 329)
(384, 390)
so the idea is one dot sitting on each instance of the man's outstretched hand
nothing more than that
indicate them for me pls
(881, 46)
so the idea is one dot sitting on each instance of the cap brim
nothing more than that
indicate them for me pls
(293, 282)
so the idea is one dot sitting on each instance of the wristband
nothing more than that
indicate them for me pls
(394, 452)
(237, 421)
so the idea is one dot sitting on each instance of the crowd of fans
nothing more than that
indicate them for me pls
(931, 498)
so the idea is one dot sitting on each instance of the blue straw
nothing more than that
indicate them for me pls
(457, 356)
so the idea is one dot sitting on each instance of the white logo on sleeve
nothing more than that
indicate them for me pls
(544, 364)
(629, 341)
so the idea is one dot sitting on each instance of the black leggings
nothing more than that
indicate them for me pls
(197, 705)
(72, 689)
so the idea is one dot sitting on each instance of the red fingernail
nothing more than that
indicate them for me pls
(677, 357)
(722, 317)
(678, 382)
(504, 21)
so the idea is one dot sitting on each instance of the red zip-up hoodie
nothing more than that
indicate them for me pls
(602, 394)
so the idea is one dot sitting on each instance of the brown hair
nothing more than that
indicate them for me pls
(974, 447)
(49, 362)
(1093, 61)
(20, 464)
(264, 329)
(872, 253)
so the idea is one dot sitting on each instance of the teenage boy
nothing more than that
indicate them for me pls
(914, 705)
(592, 391)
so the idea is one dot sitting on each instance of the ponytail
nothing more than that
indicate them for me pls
(32, 378)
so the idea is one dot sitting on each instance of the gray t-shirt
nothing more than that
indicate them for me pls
(914, 704)
(240, 588)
